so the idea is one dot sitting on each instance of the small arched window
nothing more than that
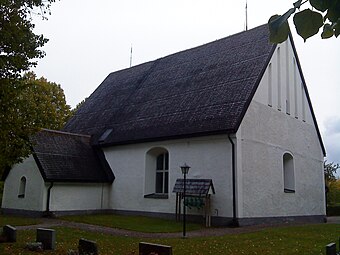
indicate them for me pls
(288, 173)
(22, 187)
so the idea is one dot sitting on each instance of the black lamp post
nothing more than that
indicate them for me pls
(185, 170)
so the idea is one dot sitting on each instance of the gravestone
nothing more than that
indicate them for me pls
(87, 247)
(154, 249)
(10, 233)
(331, 249)
(46, 237)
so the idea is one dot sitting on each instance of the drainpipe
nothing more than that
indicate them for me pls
(48, 198)
(102, 197)
(234, 221)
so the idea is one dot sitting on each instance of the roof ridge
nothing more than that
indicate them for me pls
(216, 40)
(60, 154)
(188, 49)
(64, 132)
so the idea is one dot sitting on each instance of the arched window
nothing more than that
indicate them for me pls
(22, 187)
(288, 173)
(157, 173)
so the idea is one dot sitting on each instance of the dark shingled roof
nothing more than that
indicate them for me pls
(200, 91)
(65, 157)
(196, 187)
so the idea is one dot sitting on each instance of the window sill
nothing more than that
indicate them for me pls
(289, 191)
(157, 196)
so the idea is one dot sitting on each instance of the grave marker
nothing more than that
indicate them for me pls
(331, 249)
(46, 237)
(10, 233)
(154, 249)
(87, 247)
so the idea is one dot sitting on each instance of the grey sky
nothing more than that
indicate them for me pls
(90, 39)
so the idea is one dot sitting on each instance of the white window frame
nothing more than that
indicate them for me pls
(288, 173)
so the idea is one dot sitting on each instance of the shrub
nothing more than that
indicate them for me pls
(1, 191)
(333, 210)
(333, 195)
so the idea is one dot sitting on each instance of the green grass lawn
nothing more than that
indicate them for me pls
(134, 223)
(17, 221)
(301, 240)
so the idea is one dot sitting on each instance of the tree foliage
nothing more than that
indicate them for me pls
(324, 13)
(19, 45)
(75, 109)
(334, 193)
(28, 106)
(20, 48)
(330, 170)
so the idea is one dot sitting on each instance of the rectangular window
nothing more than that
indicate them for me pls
(287, 80)
(295, 91)
(270, 84)
(303, 102)
(287, 107)
(279, 79)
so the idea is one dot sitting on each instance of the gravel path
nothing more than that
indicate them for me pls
(205, 232)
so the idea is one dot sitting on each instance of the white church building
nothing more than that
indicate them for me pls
(236, 110)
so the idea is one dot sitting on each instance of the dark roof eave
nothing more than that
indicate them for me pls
(164, 138)
(77, 181)
(37, 161)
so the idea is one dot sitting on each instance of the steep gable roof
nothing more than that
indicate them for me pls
(65, 157)
(200, 187)
(200, 91)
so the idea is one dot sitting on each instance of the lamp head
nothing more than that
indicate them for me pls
(185, 168)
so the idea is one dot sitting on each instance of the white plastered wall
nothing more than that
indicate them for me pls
(79, 196)
(64, 196)
(209, 158)
(35, 187)
(279, 120)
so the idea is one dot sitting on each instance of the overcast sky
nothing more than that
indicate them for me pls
(90, 39)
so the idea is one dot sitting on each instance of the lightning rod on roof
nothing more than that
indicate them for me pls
(131, 56)
(246, 15)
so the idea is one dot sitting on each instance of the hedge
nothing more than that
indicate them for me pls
(333, 210)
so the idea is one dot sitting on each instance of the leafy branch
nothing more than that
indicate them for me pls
(324, 13)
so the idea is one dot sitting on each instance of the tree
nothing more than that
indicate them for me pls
(334, 193)
(19, 49)
(45, 102)
(29, 105)
(330, 171)
(19, 46)
(324, 13)
(75, 109)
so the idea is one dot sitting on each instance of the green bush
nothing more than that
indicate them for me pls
(1, 191)
(333, 195)
(333, 210)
